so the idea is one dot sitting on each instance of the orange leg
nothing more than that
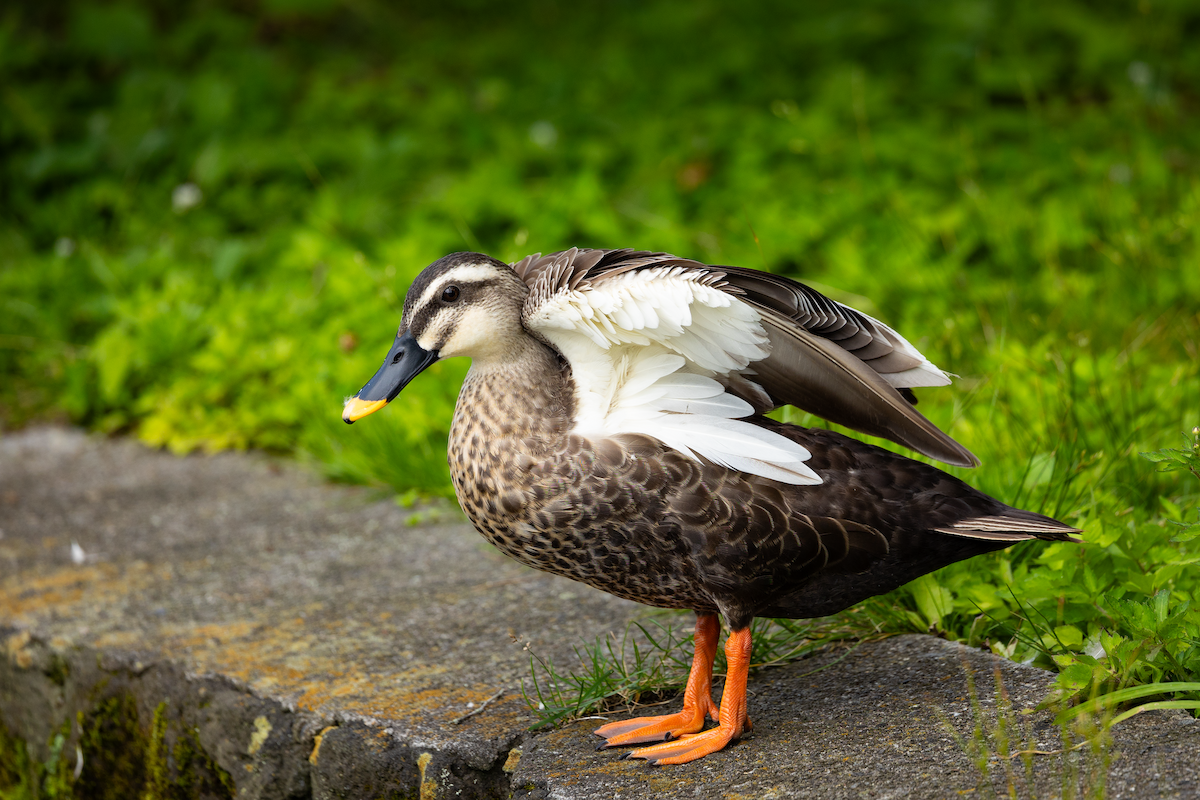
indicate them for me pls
(733, 717)
(697, 698)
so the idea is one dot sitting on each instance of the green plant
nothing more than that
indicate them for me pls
(648, 660)
(1172, 460)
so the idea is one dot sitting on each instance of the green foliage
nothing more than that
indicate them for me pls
(209, 214)
(1171, 460)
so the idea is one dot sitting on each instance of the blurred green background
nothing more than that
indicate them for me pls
(210, 212)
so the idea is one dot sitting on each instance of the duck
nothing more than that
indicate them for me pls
(613, 429)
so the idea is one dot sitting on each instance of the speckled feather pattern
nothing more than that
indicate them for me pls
(634, 518)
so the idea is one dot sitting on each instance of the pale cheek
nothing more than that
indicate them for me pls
(469, 337)
(428, 341)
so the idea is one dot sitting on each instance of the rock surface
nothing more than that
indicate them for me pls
(232, 624)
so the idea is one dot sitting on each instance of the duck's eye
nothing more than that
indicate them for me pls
(450, 294)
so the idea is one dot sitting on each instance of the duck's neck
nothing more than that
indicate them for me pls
(527, 397)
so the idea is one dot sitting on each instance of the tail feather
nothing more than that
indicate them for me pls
(1017, 527)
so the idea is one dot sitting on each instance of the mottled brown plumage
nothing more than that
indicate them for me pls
(628, 514)
(643, 522)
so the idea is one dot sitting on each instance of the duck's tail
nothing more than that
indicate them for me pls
(1014, 525)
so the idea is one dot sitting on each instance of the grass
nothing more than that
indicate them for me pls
(1078, 767)
(210, 211)
(648, 663)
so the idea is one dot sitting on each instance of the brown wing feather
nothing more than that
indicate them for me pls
(815, 374)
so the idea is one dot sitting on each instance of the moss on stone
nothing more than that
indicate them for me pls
(114, 751)
(120, 760)
(153, 768)
(18, 776)
(57, 774)
(58, 671)
(158, 770)
(23, 778)
(198, 775)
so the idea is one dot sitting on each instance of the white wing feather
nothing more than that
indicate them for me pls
(644, 348)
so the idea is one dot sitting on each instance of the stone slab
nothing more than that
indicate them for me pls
(880, 721)
(309, 641)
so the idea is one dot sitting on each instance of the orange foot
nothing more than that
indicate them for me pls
(697, 698)
(733, 719)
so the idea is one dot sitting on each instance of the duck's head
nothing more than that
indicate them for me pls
(465, 304)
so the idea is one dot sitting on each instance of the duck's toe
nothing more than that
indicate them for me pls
(688, 748)
(654, 729)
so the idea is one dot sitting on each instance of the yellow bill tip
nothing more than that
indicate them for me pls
(356, 408)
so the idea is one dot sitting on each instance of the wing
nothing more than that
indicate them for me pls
(757, 338)
(645, 346)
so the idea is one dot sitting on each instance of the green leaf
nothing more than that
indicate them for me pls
(1077, 676)
(1164, 705)
(933, 600)
(1069, 635)
(1113, 699)
(1173, 511)
(1161, 602)
(1187, 532)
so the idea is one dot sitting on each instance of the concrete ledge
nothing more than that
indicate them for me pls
(234, 626)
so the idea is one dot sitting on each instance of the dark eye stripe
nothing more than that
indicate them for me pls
(467, 291)
(420, 320)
